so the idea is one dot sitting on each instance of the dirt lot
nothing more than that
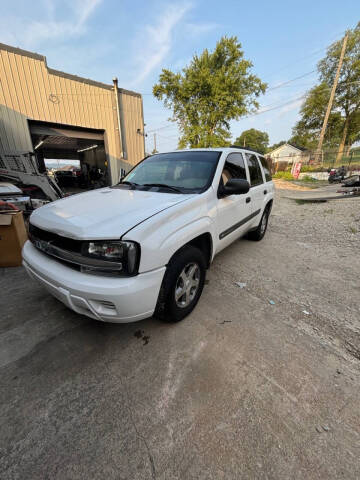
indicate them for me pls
(242, 388)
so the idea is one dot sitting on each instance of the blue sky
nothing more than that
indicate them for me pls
(134, 40)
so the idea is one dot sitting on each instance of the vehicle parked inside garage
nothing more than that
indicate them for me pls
(12, 195)
(142, 247)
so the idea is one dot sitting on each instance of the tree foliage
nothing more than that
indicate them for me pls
(306, 131)
(344, 121)
(254, 139)
(215, 88)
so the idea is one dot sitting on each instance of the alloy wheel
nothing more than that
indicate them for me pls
(187, 285)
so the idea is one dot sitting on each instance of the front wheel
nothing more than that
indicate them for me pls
(260, 231)
(182, 285)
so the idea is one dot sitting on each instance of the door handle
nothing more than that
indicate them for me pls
(265, 192)
(248, 199)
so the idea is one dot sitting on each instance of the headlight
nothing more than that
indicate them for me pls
(124, 255)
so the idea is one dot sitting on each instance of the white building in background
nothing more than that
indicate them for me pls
(288, 153)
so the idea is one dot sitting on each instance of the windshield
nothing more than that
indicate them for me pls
(187, 172)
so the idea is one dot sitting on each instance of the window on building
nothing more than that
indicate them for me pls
(254, 169)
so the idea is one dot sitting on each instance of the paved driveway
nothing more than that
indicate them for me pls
(240, 389)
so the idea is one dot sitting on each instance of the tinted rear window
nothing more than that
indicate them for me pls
(256, 177)
(266, 167)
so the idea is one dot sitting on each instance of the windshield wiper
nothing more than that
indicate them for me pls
(132, 184)
(163, 185)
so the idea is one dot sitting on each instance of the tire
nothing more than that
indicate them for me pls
(259, 233)
(188, 264)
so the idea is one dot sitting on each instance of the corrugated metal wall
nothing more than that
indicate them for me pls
(31, 90)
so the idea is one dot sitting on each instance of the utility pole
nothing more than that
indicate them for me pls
(331, 99)
(244, 140)
(155, 142)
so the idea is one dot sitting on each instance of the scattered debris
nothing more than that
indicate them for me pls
(338, 371)
(206, 282)
(240, 284)
(225, 321)
(271, 302)
(318, 429)
(325, 428)
(306, 312)
(139, 333)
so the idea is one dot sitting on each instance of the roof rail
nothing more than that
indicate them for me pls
(246, 148)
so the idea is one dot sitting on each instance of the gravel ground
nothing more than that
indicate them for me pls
(332, 223)
(259, 382)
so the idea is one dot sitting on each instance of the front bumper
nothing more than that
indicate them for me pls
(109, 299)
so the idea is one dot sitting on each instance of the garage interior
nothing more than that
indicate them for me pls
(52, 141)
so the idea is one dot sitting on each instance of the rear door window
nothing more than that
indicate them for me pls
(256, 177)
(266, 167)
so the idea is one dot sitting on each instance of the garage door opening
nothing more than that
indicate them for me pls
(74, 156)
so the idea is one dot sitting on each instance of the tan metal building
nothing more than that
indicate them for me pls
(57, 115)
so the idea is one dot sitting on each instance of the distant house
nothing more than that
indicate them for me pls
(288, 153)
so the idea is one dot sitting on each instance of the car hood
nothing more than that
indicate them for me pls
(106, 213)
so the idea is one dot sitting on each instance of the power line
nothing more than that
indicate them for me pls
(274, 106)
(333, 39)
(170, 137)
(290, 81)
(161, 128)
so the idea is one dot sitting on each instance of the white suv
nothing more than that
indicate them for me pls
(142, 247)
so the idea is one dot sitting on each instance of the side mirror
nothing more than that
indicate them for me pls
(235, 186)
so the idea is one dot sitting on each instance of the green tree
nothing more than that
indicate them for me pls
(253, 139)
(306, 131)
(347, 97)
(215, 88)
(344, 121)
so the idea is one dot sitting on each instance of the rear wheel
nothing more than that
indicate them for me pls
(182, 285)
(260, 231)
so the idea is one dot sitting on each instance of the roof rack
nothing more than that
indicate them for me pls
(246, 148)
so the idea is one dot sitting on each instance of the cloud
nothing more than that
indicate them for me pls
(156, 40)
(33, 33)
(200, 28)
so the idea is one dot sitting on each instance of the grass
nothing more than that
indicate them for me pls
(307, 178)
(284, 176)
(353, 230)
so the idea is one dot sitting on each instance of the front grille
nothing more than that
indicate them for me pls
(36, 233)
(68, 251)
(56, 240)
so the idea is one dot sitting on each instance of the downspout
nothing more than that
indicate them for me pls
(143, 122)
(115, 80)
